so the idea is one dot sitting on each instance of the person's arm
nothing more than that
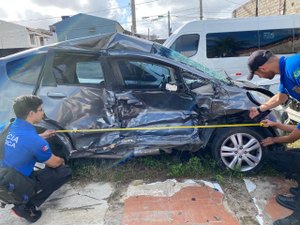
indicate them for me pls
(295, 135)
(54, 161)
(47, 134)
(276, 100)
(281, 126)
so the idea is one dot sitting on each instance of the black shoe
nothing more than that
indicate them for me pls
(294, 190)
(290, 220)
(28, 213)
(287, 202)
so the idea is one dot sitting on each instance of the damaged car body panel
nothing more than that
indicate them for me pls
(118, 81)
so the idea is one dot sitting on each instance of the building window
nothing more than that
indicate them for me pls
(42, 41)
(32, 39)
(92, 30)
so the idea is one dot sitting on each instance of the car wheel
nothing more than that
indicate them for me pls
(238, 149)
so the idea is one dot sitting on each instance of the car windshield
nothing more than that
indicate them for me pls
(171, 54)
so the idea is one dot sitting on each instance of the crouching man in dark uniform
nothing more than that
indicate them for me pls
(24, 147)
(288, 163)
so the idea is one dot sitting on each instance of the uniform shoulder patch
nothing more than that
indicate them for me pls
(296, 73)
(45, 148)
(296, 89)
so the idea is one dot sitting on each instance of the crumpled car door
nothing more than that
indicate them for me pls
(75, 95)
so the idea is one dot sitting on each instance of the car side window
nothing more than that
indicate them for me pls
(145, 75)
(26, 70)
(191, 80)
(77, 69)
(89, 72)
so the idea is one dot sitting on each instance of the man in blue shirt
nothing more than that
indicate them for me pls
(265, 64)
(24, 147)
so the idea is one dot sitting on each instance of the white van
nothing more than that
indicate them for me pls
(225, 44)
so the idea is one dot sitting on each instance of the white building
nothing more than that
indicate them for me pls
(14, 38)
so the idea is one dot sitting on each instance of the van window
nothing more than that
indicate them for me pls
(231, 44)
(235, 44)
(296, 44)
(26, 70)
(279, 41)
(187, 44)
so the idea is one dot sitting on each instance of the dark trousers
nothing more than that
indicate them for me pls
(287, 162)
(47, 181)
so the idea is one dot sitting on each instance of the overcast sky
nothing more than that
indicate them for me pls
(42, 13)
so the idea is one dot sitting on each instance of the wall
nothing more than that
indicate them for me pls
(268, 8)
(13, 36)
(82, 25)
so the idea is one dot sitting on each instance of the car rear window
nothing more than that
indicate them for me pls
(26, 70)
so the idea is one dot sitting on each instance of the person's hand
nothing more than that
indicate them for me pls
(48, 133)
(268, 123)
(253, 112)
(268, 141)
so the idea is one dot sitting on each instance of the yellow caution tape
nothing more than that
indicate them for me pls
(162, 128)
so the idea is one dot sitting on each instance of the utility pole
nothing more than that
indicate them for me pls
(201, 10)
(169, 24)
(133, 28)
(284, 7)
(256, 8)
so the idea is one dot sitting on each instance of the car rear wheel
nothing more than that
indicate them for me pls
(238, 149)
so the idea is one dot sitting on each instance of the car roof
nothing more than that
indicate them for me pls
(95, 43)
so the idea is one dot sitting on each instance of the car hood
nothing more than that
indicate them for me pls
(231, 102)
(250, 86)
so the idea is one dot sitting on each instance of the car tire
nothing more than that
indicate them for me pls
(238, 149)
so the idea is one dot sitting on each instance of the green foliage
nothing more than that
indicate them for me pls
(156, 168)
(152, 162)
(219, 178)
(192, 168)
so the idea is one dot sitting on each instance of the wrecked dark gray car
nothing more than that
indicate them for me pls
(119, 81)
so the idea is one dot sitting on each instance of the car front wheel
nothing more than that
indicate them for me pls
(238, 149)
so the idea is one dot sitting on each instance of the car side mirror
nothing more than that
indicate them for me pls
(171, 87)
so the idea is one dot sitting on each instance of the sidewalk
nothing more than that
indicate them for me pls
(163, 203)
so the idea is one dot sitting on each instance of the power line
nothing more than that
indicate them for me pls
(103, 10)
(234, 2)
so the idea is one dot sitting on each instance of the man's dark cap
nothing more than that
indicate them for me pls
(257, 59)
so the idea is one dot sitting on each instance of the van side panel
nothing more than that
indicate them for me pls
(281, 34)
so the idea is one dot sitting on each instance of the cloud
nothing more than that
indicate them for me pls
(38, 20)
(42, 13)
(101, 8)
(58, 3)
(180, 13)
(3, 14)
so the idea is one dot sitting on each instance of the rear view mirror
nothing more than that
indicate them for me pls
(171, 87)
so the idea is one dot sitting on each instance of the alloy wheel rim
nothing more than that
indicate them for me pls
(241, 151)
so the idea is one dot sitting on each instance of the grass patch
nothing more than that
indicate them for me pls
(152, 168)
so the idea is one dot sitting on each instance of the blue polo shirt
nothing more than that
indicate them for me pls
(290, 77)
(24, 147)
